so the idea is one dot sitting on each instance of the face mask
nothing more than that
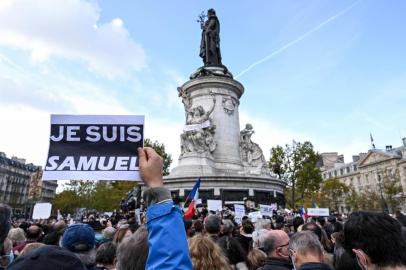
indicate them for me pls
(293, 262)
(360, 265)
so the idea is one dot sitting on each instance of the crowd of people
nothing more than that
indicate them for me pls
(210, 241)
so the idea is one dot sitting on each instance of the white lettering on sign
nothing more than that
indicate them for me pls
(322, 212)
(93, 163)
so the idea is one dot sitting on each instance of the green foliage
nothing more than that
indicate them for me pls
(100, 195)
(296, 165)
(332, 193)
(371, 200)
(160, 149)
(392, 189)
(66, 201)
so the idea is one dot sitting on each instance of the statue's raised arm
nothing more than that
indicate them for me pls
(212, 107)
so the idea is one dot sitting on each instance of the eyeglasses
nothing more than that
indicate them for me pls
(284, 245)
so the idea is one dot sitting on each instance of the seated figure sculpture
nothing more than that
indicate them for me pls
(251, 153)
(198, 134)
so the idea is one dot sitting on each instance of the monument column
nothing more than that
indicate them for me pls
(213, 147)
(217, 96)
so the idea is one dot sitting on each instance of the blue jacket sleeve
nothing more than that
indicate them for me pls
(168, 247)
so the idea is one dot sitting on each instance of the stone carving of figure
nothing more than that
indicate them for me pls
(186, 100)
(199, 138)
(198, 115)
(251, 153)
(210, 43)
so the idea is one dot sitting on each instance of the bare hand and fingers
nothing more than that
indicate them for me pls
(151, 167)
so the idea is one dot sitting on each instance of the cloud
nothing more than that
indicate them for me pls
(70, 30)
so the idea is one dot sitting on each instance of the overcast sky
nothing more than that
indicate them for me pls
(326, 71)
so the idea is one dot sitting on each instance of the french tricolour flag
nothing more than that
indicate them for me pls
(193, 195)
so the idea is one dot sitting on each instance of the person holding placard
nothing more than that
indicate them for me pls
(168, 247)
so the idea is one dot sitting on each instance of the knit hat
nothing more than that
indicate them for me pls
(78, 238)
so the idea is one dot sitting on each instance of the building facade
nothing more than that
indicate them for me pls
(367, 171)
(16, 185)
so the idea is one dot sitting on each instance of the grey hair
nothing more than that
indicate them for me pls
(304, 242)
(132, 253)
(17, 236)
(212, 224)
(262, 223)
(228, 226)
(109, 232)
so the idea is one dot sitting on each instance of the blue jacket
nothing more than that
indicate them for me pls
(168, 247)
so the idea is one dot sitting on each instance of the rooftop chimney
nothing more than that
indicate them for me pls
(355, 158)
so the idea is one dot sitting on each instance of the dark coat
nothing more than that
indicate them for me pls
(276, 264)
(245, 242)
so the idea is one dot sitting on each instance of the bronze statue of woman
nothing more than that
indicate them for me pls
(210, 43)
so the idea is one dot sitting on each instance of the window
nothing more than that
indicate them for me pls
(341, 171)
(335, 173)
(355, 168)
(348, 169)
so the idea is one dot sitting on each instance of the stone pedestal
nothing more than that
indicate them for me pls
(212, 145)
(223, 93)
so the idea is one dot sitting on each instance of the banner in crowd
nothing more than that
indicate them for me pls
(41, 211)
(319, 212)
(239, 210)
(254, 216)
(267, 210)
(94, 147)
(214, 205)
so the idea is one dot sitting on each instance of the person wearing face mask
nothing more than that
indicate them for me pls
(376, 241)
(306, 252)
(276, 246)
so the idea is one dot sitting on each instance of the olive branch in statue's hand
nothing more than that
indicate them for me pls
(201, 19)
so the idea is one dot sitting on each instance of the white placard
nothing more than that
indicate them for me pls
(267, 210)
(320, 212)
(196, 127)
(41, 211)
(214, 205)
(94, 147)
(254, 216)
(239, 210)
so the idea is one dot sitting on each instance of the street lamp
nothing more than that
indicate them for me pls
(384, 205)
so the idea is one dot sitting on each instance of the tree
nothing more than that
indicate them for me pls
(160, 149)
(366, 199)
(392, 189)
(67, 201)
(332, 193)
(296, 165)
